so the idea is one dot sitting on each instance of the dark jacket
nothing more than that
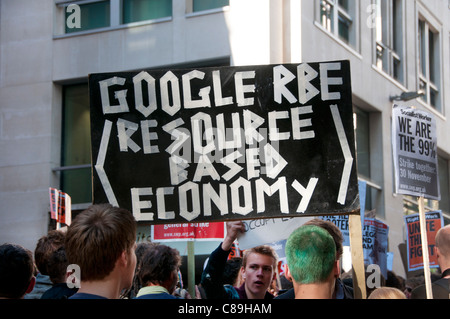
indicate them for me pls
(59, 291)
(342, 292)
(440, 289)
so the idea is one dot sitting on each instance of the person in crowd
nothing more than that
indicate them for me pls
(311, 262)
(285, 286)
(45, 247)
(158, 273)
(257, 270)
(441, 287)
(182, 293)
(102, 241)
(57, 271)
(342, 290)
(141, 249)
(393, 280)
(411, 283)
(387, 293)
(16, 271)
(231, 274)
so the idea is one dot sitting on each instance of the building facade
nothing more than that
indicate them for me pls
(49, 47)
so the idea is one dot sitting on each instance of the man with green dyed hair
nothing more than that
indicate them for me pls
(311, 262)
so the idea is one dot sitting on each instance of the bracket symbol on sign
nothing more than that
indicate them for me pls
(101, 161)
(345, 178)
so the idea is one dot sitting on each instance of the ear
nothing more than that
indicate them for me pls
(287, 273)
(242, 272)
(336, 269)
(123, 258)
(31, 285)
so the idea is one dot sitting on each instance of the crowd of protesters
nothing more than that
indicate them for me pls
(101, 241)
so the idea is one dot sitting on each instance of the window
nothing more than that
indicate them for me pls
(363, 150)
(93, 15)
(140, 10)
(339, 18)
(362, 137)
(429, 64)
(444, 184)
(364, 157)
(76, 144)
(389, 38)
(202, 5)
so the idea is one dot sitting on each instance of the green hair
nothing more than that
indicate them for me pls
(310, 254)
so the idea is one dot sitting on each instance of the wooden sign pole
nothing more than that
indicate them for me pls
(425, 254)
(358, 271)
(191, 268)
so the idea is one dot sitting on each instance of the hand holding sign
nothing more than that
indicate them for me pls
(234, 229)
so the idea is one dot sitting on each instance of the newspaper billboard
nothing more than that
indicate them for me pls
(414, 150)
(225, 143)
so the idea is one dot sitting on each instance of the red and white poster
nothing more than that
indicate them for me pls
(434, 222)
(60, 206)
(189, 231)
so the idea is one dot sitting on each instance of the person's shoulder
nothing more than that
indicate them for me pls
(43, 283)
(440, 289)
(59, 291)
(231, 292)
(157, 296)
(289, 294)
(82, 295)
(419, 292)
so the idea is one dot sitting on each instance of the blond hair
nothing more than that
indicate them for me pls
(387, 293)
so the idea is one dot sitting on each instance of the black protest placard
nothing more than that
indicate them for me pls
(225, 143)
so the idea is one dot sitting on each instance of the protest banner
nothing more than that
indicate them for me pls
(434, 221)
(414, 144)
(263, 231)
(188, 232)
(143, 233)
(225, 143)
(60, 207)
(258, 232)
(414, 152)
(375, 243)
(341, 221)
(280, 249)
(54, 200)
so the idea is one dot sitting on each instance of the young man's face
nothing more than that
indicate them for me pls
(258, 274)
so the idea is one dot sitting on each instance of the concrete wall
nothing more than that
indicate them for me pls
(26, 99)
